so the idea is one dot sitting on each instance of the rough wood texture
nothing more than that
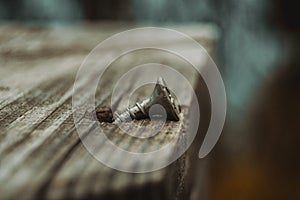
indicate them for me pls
(41, 155)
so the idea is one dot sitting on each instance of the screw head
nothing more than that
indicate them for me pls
(163, 96)
(160, 95)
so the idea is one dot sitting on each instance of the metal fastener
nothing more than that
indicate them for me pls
(161, 95)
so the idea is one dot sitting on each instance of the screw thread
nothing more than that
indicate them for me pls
(138, 111)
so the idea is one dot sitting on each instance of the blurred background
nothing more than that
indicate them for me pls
(257, 156)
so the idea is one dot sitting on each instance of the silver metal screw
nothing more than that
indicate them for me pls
(160, 95)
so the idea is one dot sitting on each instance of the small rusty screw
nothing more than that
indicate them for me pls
(162, 96)
(104, 114)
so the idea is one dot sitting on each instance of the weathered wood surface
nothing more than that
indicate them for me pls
(41, 155)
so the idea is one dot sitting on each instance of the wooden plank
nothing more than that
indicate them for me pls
(41, 155)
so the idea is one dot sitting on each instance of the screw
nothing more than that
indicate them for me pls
(160, 95)
(104, 114)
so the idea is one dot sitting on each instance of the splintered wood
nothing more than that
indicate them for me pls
(41, 154)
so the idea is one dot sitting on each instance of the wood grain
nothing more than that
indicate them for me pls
(41, 155)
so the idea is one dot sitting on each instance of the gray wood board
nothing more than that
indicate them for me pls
(41, 155)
